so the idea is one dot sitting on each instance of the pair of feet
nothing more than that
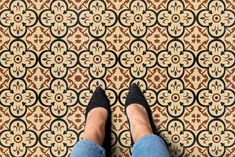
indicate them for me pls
(97, 114)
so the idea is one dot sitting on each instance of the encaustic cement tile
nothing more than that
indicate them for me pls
(54, 53)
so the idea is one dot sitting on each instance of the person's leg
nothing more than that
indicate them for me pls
(146, 143)
(95, 125)
(94, 133)
(87, 148)
(150, 146)
(139, 121)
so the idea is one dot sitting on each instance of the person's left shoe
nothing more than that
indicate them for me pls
(99, 99)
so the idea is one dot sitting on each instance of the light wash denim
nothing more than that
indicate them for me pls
(147, 146)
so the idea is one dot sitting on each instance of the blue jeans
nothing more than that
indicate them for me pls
(147, 146)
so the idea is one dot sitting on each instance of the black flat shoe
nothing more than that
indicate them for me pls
(99, 99)
(136, 96)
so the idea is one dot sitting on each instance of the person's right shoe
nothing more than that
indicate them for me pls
(135, 96)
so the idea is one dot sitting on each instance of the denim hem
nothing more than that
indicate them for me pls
(94, 144)
(141, 139)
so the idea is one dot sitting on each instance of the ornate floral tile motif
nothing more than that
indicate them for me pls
(54, 53)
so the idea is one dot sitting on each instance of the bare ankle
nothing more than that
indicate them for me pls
(140, 131)
(139, 121)
(95, 125)
(95, 135)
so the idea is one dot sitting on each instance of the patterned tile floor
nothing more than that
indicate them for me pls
(53, 53)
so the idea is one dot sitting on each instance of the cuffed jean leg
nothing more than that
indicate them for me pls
(150, 146)
(87, 148)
